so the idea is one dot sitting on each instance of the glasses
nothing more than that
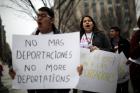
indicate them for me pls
(42, 16)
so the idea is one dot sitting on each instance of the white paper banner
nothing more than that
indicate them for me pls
(100, 71)
(46, 61)
(123, 68)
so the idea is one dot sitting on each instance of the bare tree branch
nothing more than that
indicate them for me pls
(19, 10)
(60, 4)
(49, 2)
(70, 13)
(31, 4)
(45, 3)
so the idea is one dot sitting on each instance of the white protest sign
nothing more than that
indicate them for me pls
(100, 71)
(46, 61)
(123, 68)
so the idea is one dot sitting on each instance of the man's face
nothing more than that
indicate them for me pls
(113, 33)
(44, 22)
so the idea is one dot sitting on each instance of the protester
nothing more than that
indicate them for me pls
(1, 70)
(45, 21)
(92, 38)
(119, 45)
(135, 59)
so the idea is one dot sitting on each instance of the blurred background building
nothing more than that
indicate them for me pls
(106, 13)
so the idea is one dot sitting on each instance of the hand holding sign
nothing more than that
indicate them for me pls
(80, 69)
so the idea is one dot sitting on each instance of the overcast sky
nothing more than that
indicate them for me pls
(15, 22)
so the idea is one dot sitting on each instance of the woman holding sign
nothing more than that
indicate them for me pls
(92, 38)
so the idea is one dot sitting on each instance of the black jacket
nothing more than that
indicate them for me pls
(100, 40)
(123, 46)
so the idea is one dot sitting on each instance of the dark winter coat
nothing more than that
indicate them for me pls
(100, 40)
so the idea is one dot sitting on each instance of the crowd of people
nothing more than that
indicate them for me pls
(94, 39)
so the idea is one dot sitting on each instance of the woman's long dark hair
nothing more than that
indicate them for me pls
(82, 30)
